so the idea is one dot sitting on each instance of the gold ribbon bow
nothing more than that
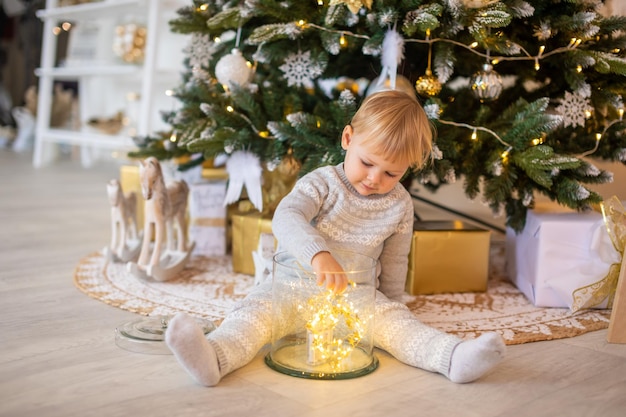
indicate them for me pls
(593, 294)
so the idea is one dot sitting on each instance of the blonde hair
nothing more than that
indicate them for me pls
(393, 124)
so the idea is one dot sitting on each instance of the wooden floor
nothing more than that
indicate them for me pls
(58, 355)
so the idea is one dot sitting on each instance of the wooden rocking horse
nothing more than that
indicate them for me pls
(125, 241)
(165, 211)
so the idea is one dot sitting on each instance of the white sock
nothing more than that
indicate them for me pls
(471, 359)
(186, 340)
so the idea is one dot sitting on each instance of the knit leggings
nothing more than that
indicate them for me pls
(247, 329)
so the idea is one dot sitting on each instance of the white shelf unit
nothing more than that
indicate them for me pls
(104, 82)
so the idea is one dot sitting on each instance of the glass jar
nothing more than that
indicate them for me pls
(317, 333)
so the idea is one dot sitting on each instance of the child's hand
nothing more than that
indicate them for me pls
(329, 272)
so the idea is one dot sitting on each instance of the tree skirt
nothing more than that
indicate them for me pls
(208, 289)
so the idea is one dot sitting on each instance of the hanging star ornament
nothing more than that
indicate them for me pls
(353, 5)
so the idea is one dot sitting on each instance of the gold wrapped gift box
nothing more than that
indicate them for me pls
(246, 231)
(448, 256)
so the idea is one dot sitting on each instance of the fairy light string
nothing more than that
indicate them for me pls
(574, 43)
(599, 136)
(474, 129)
(324, 312)
(527, 56)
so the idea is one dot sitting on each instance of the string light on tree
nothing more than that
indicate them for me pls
(572, 46)
(170, 144)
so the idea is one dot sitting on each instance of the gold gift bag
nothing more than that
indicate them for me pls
(448, 256)
(246, 231)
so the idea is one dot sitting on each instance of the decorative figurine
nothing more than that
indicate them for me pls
(125, 241)
(164, 220)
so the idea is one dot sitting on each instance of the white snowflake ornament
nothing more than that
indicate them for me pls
(573, 109)
(300, 70)
(200, 50)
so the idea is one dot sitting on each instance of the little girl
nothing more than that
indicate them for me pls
(358, 206)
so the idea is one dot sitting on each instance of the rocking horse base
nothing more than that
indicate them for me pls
(147, 335)
(129, 253)
(170, 264)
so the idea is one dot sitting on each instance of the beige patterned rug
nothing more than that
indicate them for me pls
(208, 289)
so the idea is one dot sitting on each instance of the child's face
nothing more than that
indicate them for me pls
(368, 172)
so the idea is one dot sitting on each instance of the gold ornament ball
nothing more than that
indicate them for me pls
(428, 85)
(486, 84)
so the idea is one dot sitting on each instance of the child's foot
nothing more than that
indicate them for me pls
(471, 359)
(186, 340)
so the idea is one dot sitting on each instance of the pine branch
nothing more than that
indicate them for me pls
(539, 162)
(608, 63)
(542, 49)
(274, 32)
(227, 19)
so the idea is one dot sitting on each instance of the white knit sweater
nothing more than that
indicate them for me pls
(324, 213)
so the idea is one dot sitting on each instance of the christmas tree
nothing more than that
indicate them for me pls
(521, 93)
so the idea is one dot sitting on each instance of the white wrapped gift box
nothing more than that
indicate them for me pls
(207, 215)
(558, 253)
